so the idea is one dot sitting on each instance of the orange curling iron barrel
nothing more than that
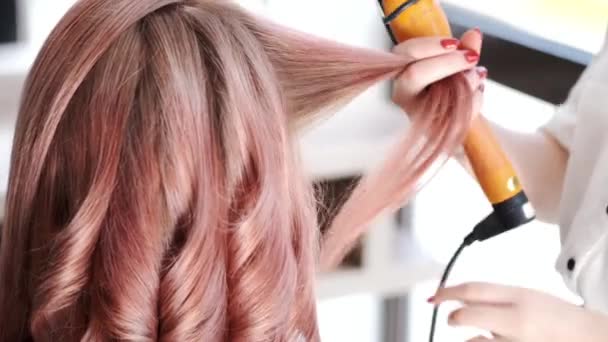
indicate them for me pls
(493, 170)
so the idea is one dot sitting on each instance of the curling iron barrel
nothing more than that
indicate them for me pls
(493, 170)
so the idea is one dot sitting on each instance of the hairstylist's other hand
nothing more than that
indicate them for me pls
(436, 58)
(521, 315)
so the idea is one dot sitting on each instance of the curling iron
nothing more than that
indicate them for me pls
(405, 19)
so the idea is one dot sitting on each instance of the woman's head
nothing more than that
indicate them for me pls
(155, 193)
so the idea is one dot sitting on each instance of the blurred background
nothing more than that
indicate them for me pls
(534, 50)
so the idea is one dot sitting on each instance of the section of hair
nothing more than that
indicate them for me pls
(432, 138)
(320, 75)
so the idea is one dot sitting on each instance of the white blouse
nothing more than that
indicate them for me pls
(581, 126)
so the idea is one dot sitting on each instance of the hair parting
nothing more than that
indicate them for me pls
(156, 191)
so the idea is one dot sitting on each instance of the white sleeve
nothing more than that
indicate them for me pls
(563, 123)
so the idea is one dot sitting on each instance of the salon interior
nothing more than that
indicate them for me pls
(534, 53)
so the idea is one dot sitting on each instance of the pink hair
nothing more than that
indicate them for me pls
(155, 192)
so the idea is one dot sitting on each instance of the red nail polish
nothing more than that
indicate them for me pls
(450, 43)
(430, 300)
(471, 56)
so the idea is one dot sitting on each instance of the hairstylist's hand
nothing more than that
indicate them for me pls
(521, 315)
(435, 59)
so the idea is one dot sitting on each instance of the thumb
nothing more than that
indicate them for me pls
(472, 40)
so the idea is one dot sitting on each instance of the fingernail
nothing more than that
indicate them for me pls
(482, 72)
(471, 56)
(478, 31)
(450, 43)
(431, 300)
(451, 315)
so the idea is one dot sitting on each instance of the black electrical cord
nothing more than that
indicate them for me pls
(489, 227)
(446, 273)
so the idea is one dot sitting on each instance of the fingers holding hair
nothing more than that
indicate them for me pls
(433, 59)
(423, 73)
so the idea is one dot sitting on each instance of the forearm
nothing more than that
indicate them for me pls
(590, 326)
(540, 163)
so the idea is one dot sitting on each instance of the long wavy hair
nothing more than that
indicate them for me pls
(155, 192)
